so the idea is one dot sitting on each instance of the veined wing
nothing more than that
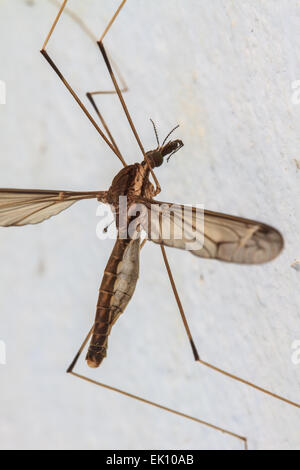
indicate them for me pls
(211, 234)
(31, 206)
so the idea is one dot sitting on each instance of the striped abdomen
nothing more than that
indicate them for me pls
(117, 287)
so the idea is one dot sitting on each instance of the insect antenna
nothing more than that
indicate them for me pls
(174, 129)
(155, 130)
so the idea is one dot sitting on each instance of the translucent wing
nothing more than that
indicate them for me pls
(22, 207)
(214, 235)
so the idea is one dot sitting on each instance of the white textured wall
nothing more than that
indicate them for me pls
(223, 70)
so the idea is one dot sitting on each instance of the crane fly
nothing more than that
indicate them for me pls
(222, 237)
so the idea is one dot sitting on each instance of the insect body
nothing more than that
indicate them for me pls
(121, 273)
(215, 235)
(223, 237)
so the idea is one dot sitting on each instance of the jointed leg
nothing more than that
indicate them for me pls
(70, 370)
(112, 20)
(117, 89)
(111, 143)
(90, 95)
(93, 103)
(143, 400)
(186, 326)
(74, 362)
(68, 86)
(83, 26)
(195, 352)
(103, 52)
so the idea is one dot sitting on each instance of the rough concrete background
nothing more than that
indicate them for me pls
(224, 71)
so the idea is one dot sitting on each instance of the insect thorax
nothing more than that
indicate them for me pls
(132, 181)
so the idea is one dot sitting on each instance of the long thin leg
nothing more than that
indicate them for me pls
(186, 325)
(103, 52)
(70, 370)
(195, 352)
(113, 78)
(119, 92)
(110, 141)
(96, 108)
(82, 24)
(117, 89)
(68, 86)
(90, 95)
